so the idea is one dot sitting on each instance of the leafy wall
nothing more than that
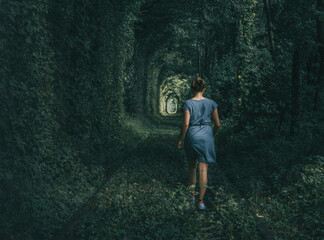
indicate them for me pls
(72, 71)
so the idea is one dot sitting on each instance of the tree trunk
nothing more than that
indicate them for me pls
(310, 68)
(269, 26)
(320, 39)
(206, 68)
(198, 59)
(295, 92)
(199, 38)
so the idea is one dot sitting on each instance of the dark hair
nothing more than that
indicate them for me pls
(198, 84)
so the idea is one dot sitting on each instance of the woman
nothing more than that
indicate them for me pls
(199, 140)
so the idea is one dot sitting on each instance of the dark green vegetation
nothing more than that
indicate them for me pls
(83, 92)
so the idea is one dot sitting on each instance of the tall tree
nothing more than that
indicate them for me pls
(269, 26)
(320, 40)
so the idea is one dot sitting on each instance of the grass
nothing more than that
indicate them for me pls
(148, 198)
(296, 211)
(145, 199)
(146, 195)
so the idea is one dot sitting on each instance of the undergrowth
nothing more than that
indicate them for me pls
(282, 177)
(55, 200)
(148, 198)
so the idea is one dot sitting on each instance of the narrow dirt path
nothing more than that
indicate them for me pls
(147, 198)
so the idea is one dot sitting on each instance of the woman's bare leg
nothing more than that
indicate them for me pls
(202, 179)
(192, 166)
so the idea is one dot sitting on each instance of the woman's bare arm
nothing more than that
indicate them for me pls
(216, 121)
(184, 127)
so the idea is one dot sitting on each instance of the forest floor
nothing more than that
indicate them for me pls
(147, 197)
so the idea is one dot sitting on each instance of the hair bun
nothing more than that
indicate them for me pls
(198, 84)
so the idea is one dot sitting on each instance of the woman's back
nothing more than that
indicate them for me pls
(199, 141)
(200, 110)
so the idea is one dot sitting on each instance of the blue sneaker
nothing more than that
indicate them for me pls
(201, 206)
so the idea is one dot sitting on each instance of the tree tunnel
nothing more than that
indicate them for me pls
(87, 86)
(173, 91)
(169, 49)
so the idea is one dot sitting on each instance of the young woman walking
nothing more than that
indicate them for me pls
(199, 136)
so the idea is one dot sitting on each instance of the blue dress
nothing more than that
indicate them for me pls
(199, 141)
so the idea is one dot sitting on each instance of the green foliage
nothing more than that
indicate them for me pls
(278, 178)
(62, 68)
(298, 205)
(74, 72)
